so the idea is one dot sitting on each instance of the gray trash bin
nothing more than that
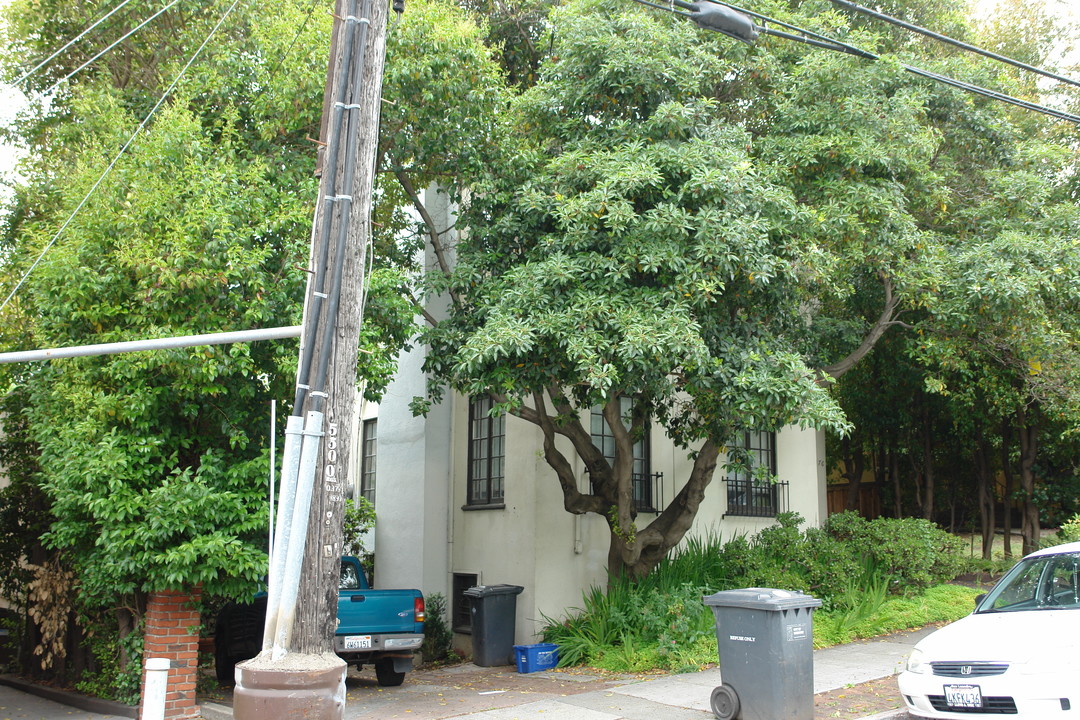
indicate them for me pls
(493, 612)
(765, 641)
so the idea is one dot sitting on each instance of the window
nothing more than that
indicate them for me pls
(753, 490)
(487, 435)
(367, 460)
(461, 613)
(348, 579)
(642, 482)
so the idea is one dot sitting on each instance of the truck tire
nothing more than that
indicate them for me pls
(224, 666)
(385, 673)
(238, 637)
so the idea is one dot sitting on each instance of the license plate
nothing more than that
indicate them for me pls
(357, 642)
(963, 696)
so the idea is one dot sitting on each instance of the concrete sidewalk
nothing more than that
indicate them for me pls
(686, 696)
(466, 691)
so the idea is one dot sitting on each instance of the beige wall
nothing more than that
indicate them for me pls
(555, 555)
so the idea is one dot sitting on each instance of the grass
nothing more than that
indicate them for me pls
(625, 653)
(661, 624)
(943, 603)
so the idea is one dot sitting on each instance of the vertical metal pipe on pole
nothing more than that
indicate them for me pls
(290, 582)
(290, 471)
(273, 467)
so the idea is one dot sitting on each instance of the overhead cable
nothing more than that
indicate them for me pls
(71, 42)
(839, 46)
(112, 164)
(954, 42)
(119, 40)
(703, 13)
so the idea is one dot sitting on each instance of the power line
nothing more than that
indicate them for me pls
(839, 46)
(954, 42)
(281, 60)
(122, 38)
(112, 164)
(705, 14)
(71, 42)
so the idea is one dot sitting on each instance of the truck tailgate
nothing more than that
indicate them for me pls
(373, 612)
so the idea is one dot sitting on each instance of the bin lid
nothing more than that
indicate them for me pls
(761, 599)
(485, 590)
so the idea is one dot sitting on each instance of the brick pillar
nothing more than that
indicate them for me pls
(172, 632)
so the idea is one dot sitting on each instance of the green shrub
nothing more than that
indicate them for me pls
(851, 565)
(942, 603)
(438, 638)
(915, 552)
(109, 676)
(1069, 530)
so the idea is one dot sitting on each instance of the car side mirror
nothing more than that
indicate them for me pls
(979, 598)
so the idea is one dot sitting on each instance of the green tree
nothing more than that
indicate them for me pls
(708, 228)
(155, 463)
(630, 248)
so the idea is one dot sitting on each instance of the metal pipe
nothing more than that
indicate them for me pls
(290, 471)
(348, 181)
(273, 467)
(333, 152)
(290, 579)
(158, 344)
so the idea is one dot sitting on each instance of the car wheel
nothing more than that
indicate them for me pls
(725, 702)
(385, 673)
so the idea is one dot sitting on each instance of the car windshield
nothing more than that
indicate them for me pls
(1050, 582)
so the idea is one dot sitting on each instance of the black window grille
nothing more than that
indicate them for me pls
(645, 486)
(756, 498)
(487, 437)
(752, 489)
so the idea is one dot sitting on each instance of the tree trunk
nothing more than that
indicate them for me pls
(881, 474)
(984, 478)
(636, 552)
(1006, 471)
(1029, 526)
(854, 464)
(894, 468)
(928, 469)
(632, 551)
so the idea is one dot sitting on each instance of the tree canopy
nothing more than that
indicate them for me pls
(154, 464)
(714, 230)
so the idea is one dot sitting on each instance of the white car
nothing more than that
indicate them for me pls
(1017, 655)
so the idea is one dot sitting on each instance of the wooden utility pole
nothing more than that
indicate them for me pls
(317, 618)
(298, 675)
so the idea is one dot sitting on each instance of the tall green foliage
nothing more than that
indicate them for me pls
(630, 248)
(155, 462)
(859, 569)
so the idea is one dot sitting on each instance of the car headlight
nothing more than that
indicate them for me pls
(916, 662)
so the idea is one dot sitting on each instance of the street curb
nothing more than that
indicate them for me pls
(65, 697)
(215, 711)
(898, 712)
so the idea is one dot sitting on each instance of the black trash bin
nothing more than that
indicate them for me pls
(765, 641)
(493, 622)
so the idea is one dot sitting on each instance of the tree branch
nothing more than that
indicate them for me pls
(433, 233)
(573, 499)
(884, 322)
(671, 525)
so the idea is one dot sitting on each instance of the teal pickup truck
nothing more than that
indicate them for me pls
(383, 628)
